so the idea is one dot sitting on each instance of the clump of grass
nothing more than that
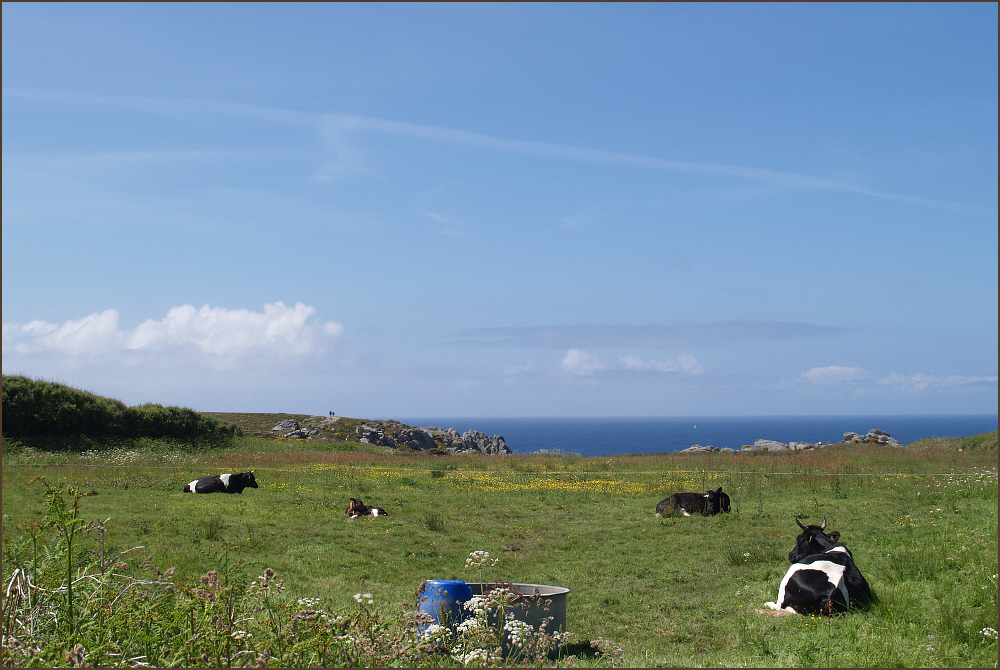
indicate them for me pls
(212, 527)
(434, 522)
(753, 555)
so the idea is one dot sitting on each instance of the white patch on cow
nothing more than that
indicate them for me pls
(192, 485)
(225, 479)
(842, 550)
(834, 574)
(374, 512)
(685, 512)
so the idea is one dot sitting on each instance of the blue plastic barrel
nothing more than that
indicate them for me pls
(444, 599)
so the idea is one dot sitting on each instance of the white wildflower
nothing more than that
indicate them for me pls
(476, 605)
(478, 559)
(434, 630)
(473, 657)
(470, 625)
(518, 630)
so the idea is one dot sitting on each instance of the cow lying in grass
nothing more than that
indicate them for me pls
(225, 483)
(823, 578)
(708, 503)
(358, 508)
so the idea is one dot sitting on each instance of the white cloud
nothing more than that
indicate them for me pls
(835, 374)
(920, 381)
(579, 362)
(221, 335)
(333, 328)
(682, 363)
(513, 370)
(658, 334)
(336, 128)
(95, 333)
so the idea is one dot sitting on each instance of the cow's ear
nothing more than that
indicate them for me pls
(836, 536)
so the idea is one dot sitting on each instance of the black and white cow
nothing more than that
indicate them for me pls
(225, 483)
(710, 502)
(823, 578)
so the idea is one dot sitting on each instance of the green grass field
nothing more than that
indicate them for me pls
(674, 591)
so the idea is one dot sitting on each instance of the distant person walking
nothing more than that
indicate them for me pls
(331, 412)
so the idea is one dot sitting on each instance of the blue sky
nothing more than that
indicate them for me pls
(504, 210)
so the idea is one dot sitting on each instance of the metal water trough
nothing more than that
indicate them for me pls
(536, 602)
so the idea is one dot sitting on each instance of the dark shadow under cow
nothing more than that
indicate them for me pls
(224, 483)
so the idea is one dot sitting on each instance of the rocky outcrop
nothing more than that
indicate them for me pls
(772, 445)
(875, 436)
(395, 435)
(473, 440)
(291, 428)
(766, 445)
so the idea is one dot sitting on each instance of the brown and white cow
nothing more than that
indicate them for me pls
(358, 508)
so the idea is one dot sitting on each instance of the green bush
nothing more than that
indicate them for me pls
(34, 408)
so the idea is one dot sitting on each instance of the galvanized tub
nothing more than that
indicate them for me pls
(536, 602)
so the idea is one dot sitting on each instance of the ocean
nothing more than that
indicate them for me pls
(650, 435)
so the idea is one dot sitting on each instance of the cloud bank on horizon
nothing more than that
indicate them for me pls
(219, 336)
(445, 210)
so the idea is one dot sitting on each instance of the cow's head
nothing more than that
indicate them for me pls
(713, 501)
(724, 501)
(357, 507)
(251, 480)
(812, 540)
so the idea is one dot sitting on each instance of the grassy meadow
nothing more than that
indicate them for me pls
(921, 522)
